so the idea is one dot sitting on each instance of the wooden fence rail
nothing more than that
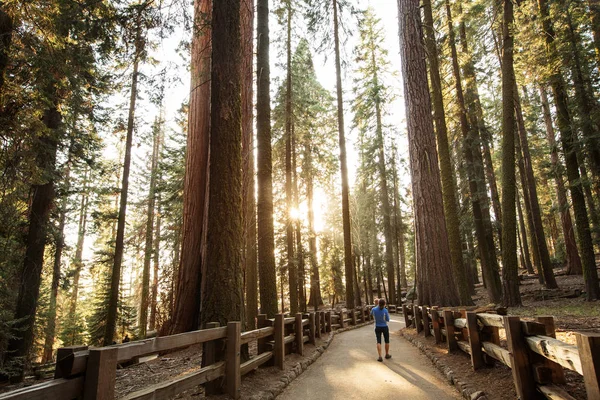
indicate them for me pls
(90, 373)
(537, 359)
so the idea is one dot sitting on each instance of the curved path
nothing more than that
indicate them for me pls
(349, 370)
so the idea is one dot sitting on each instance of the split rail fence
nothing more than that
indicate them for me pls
(537, 359)
(90, 373)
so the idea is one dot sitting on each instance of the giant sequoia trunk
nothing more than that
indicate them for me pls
(148, 249)
(348, 264)
(446, 168)
(510, 273)
(222, 294)
(81, 232)
(19, 346)
(476, 178)
(436, 284)
(251, 273)
(186, 312)
(573, 259)
(289, 232)
(266, 240)
(111, 318)
(569, 140)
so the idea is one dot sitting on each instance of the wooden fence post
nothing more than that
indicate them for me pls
(353, 316)
(474, 340)
(589, 352)
(417, 318)
(328, 320)
(299, 332)
(450, 335)
(101, 374)
(233, 376)
(405, 313)
(312, 328)
(426, 327)
(342, 324)
(435, 321)
(279, 350)
(558, 373)
(362, 314)
(519, 356)
(318, 324)
(210, 356)
(62, 356)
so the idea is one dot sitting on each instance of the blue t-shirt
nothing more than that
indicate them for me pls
(381, 316)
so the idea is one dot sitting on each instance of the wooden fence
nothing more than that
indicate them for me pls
(90, 373)
(537, 359)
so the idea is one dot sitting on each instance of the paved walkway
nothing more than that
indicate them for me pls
(349, 370)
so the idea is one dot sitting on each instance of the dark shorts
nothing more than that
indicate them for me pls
(386, 333)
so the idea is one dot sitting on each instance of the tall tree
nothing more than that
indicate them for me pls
(266, 240)
(569, 144)
(445, 160)
(186, 313)
(431, 239)
(510, 273)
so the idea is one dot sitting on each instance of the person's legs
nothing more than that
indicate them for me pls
(386, 336)
(378, 332)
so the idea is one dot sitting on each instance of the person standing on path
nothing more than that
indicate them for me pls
(382, 317)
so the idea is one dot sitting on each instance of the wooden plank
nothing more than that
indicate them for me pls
(519, 357)
(256, 334)
(464, 346)
(299, 332)
(255, 362)
(406, 316)
(498, 353)
(64, 361)
(233, 376)
(558, 373)
(561, 353)
(210, 355)
(279, 347)
(474, 340)
(491, 320)
(56, 389)
(553, 392)
(435, 321)
(531, 328)
(589, 353)
(101, 374)
(426, 320)
(312, 329)
(335, 327)
(170, 389)
(417, 319)
(450, 335)
(289, 320)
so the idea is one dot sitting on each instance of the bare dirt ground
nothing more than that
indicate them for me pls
(570, 315)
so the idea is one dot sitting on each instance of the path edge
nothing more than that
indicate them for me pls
(461, 387)
(289, 376)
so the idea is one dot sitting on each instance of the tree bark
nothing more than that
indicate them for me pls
(526, 257)
(224, 302)
(6, 32)
(156, 265)
(19, 346)
(573, 260)
(445, 160)
(435, 280)
(472, 154)
(595, 19)
(266, 240)
(250, 256)
(186, 313)
(569, 141)
(81, 232)
(510, 272)
(343, 164)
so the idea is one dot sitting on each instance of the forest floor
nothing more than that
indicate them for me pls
(571, 315)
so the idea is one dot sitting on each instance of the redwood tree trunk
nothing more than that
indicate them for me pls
(573, 259)
(224, 302)
(186, 312)
(348, 264)
(266, 240)
(435, 280)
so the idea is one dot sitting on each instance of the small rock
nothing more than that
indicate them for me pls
(477, 395)
(450, 377)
